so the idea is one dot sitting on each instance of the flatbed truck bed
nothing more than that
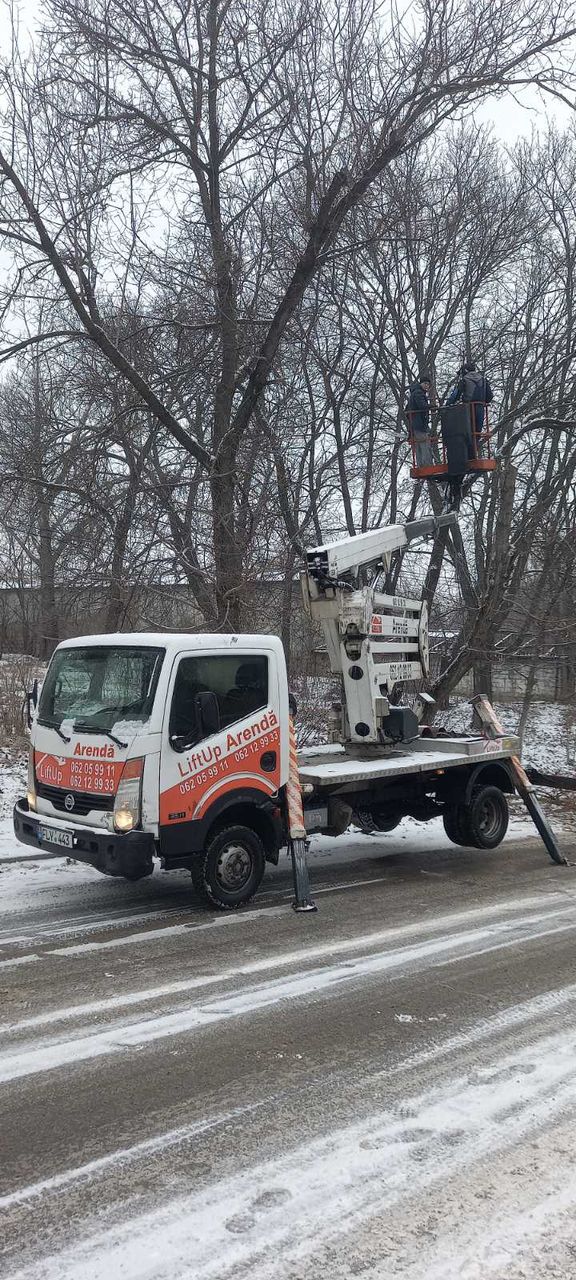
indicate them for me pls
(464, 779)
(330, 765)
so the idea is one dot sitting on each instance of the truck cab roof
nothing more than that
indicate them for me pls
(175, 641)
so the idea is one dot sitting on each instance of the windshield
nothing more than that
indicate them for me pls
(98, 686)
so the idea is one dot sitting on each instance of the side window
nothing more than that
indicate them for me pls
(239, 683)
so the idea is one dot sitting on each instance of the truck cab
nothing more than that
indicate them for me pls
(173, 746)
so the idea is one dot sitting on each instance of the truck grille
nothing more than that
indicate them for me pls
(83, 801)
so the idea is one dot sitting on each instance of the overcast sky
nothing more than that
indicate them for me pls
(511, 118)
(515, 117)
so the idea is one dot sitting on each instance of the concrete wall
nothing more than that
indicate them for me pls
(509, 681)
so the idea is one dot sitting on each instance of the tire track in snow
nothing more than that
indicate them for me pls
(41, 1056)
(441, 924)
(264, 1220)
(485, 1030)
(45, 937)
(72, 926)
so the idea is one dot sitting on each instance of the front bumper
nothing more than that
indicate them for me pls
(129, 855)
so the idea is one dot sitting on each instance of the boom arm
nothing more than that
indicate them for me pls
(337, 559)
(374, 640)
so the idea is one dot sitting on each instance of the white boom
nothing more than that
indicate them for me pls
(374, 640)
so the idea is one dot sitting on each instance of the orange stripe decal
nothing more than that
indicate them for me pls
(240, 767)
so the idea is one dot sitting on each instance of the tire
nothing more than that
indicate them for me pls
(230, 869)
(455, 819)
(384, 824)
(487, 817)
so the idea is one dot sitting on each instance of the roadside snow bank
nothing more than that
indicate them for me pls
(13, 776)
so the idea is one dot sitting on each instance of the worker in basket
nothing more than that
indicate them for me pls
(473, 388)
(464, 431)
(464, 434)
(418, 413)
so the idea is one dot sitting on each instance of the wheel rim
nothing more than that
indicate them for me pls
(488, 819)
(234, 866)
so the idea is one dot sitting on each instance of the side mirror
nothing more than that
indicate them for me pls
(204, 722)
(292, 706)
(31, 702)
(208, 712)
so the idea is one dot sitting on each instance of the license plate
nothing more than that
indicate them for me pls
(53, 835)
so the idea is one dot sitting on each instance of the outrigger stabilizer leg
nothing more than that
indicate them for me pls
(492, 728)
(297, 842)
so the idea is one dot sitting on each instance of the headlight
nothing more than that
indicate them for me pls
(31, 787)
(124, 819)
(127, 804)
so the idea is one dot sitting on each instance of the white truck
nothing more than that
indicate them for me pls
(177, 746)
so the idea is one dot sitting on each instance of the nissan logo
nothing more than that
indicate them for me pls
(69, 803)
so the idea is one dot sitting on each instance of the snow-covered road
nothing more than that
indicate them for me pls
(385, 1089)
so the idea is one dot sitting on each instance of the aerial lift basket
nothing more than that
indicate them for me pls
(460, 449)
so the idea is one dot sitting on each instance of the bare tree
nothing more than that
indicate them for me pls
(264, 126)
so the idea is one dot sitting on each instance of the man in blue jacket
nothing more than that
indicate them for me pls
(418, 411)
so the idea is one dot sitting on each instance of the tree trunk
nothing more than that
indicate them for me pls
(49, 619)
(527, 700)
(227, 556)
(483, 682)
(286, 615)
(116, 599)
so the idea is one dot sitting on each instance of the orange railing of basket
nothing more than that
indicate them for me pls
(481, 460)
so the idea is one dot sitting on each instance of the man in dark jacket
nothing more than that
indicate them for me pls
(418, 410)
(473, 388)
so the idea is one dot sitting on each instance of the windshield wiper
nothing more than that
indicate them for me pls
(51, 724)
(94, 728)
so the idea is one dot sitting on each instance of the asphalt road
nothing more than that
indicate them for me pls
(386, 1088)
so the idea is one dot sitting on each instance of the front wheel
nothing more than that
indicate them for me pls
(230, 869)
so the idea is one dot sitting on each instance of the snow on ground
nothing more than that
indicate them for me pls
(549, 729)
(32, 882)
(548, 745)
(13, 775)
(548, 733)
(369, 1177)
(25, 885)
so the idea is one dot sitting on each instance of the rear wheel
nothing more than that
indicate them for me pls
(230, 869)
(488, 817)
(455, 824)
(482, 824)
